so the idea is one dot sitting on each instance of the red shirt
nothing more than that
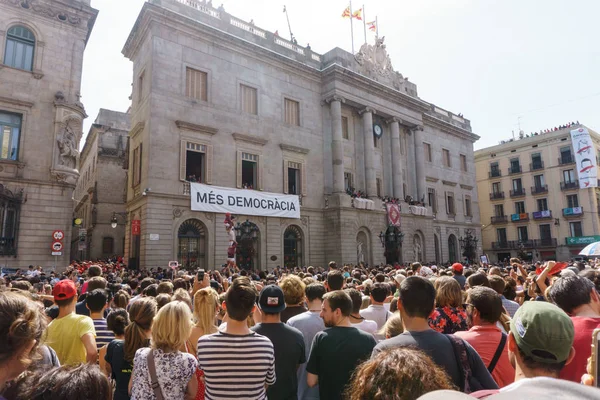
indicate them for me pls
(584, 326)
(485, 340)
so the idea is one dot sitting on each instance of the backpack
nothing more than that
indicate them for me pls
(468, 383)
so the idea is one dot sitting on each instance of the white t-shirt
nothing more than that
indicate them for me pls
(366, 325)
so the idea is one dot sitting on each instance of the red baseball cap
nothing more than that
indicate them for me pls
(457, 267)
(64, 290)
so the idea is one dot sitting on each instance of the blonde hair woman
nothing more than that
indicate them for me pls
(393, 327)
(174, 370)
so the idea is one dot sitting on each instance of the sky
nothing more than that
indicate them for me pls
(505, 65)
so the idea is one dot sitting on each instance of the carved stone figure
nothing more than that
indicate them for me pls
(360, 255)
(417, 248)
(377, 64)
(67, 145)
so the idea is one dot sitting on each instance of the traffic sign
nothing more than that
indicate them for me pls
(58, 235)
(57, 246)
(57, 253)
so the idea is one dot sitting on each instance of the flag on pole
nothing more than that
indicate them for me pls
(357, 14)
(372, 26)
(346, 13)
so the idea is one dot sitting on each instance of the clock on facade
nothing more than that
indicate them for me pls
(377, 130)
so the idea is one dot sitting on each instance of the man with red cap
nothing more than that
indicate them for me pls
(70, 335)
(457, 273)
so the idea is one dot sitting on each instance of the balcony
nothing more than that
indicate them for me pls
(569, 185)
(572, 212)
(501, 245)
(542, 189)
(517, 192)
(494, 173)
(541, 215)
(566, 159)
(501, 219)
(536, 166)
(515, 169)
(545, 242)
(519, 217)
(497, 196)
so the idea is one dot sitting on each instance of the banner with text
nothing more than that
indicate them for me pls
(585, 158)
(243, 201)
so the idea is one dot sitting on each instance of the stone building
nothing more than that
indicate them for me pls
(221, 101)
(530, 199)
(100, 192)
(41, 49)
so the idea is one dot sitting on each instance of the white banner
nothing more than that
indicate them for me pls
(243, 201)
(585, 158)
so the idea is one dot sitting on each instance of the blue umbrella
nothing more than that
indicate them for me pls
(592, 249)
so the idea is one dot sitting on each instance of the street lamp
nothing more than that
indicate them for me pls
(469, 245)
(113, 221)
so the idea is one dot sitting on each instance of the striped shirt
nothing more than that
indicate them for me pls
(236, 366)
(103, 335)
(511, 306)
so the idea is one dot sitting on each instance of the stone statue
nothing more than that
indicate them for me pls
(360, 255)
(377, 64)
(417, 250)
(67, 145)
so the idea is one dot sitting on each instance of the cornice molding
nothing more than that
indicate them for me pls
(59, 15)
(137, 129)
(467, 187)
(293, 149)
(16, 102)
(240, 137)
(449, 183)
(196, 128)
(449, 128)
(431, 179)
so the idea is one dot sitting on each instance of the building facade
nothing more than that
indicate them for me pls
(530, 200)
(223, 102)
(41, 115)
(100, 191)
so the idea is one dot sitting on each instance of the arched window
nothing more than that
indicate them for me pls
(20, 44)
(192, 245)
(292, 247)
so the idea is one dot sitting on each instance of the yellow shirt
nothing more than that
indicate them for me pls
(64, 336)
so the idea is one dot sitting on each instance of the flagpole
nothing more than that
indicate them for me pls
(351, 27)
(365, 22)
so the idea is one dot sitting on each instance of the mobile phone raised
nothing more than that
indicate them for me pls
(200, 275)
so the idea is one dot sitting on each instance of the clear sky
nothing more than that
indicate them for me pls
(499, 62)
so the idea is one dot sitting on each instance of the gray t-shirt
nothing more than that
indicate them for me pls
(309, 323)
(439, 347)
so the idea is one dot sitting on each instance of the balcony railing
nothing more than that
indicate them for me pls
(519, 217)
(501, 219)
(515, 169)
(566, 159)
(572, 212)
(526, 244)
(496, 195)
(535, 166)
(7, 246)
(517, 192)
(542, 215)
(501, 245)
(495, 173)
(545, 242)
(539, 189)
(569, 185)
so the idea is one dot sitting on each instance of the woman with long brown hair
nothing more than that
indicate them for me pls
(449, 315)
(120, 353)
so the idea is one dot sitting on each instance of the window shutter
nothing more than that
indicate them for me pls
(239, 169)
(260, 172)
(303, 186)
(209, 163)
(182, 161)
(285, 176)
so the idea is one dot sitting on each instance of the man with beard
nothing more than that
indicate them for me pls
(338, 349)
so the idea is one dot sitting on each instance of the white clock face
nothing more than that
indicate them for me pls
(377, 130)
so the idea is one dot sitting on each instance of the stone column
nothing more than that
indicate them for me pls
(412, 165)
(337, 146)
(396, 169)
(370, 182)
(419, 162)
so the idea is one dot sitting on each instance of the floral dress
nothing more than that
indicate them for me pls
(448, 320)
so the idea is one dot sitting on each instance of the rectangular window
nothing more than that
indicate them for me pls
(348, 181)
(542, 204)
(345, 133)
(249, 99)
(431, 199)
(494, 169)
(499, 210)
(519, 207)
(575, 229)
(446, 158)
(496, 187)
(545, 232)
(450, 210)
(292, 112)
(249, 171)
(569, 176)
(427, 150)
(141, 86)
(463, 162)
(195, 162)
(536, 161)
(137, 166)
(379, 188)
(376, 141)
(565, 155)
(501, 232)
(517, 185)
(195, 84)
(572, 201)
(10, 129)
(514, 165)
(538, 181)
(294, 178)
(522, 233)
(468, 206)
(108, 245)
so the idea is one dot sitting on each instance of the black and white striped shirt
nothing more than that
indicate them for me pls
(236, 366)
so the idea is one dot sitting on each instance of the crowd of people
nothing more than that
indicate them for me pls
(101, 331)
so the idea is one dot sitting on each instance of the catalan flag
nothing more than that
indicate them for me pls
(372, 26)
(346, 13)
(357, 14)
